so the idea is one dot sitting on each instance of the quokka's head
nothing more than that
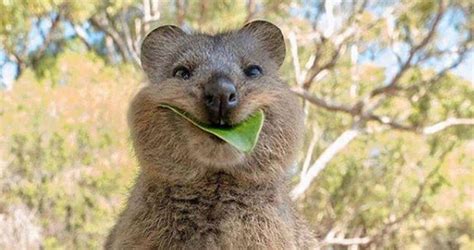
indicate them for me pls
(219, 80)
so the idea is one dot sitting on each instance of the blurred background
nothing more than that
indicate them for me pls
(388, 87)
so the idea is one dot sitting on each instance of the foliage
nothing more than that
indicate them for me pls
(66, 162)
(243, 136)
(67, 151)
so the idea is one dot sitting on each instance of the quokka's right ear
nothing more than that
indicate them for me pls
(157, 45)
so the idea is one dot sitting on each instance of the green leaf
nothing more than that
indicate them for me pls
(243, 136)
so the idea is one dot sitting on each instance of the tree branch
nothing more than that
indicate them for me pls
(346, 242)
(309, 153)
(151, 13)
(47, 40)
(316, 69)
(410, 210)
(429, 130)
(116, 38)
(180, 12)
(340, 43)
(331, 240)
(128, 39)
(385, 120)
(462, 51)
(251, 10)
(331, 106)
(345, 138)
(15, 58)
(435, 128)
(203, 8)
(340, 143)
(393, 83)
(356, 110)
(295, 58)
(81, 34)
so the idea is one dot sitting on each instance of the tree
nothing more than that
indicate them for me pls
(389, 126)
(404, 100)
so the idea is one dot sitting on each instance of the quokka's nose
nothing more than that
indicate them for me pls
(220, 97)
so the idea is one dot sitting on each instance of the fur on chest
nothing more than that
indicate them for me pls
(211, 210)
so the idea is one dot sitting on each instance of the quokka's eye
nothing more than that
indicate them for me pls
(253, 71)
(182, 72)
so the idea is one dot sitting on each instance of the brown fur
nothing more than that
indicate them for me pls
(195, 191)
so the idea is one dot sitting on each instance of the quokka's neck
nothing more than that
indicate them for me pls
(218, 186)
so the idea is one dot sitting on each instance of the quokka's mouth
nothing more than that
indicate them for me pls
(242, 136)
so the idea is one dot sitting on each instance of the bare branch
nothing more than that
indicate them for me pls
(330, 239)
(81, 34)
(139, 34)
(40, 30)
(151, 13)
(309, 153)
(133, 52)
(48, 38)
(307, 176)
(356, 110)
(385, 120)
(435, 128)
(104, 26)
(316, 69)
(429, 130)
(146, 14)
(295, 58)
(155, 12)
(336, 236)
(180, 12)
(340, 44)
(203, 8)
(14, 57)
(251, 9)
(346, 242)
(331, 106)
(462, 51)
(393, 83)
(340, 143)
(388, 227)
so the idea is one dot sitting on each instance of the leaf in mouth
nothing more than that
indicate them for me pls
(242, 136)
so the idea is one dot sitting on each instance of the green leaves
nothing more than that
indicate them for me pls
(243, 136)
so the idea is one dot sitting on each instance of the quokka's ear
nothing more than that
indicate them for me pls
(270, 38)
(157, 46)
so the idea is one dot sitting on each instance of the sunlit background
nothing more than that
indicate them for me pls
(387, 85)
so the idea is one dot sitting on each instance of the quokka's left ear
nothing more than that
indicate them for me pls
(269, 36)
